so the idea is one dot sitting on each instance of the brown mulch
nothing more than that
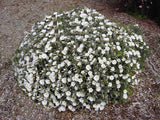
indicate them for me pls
(17, 16)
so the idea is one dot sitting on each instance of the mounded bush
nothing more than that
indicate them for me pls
(79, 59)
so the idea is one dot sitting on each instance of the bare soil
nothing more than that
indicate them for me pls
(17, 16)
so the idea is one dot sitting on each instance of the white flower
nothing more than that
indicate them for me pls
(134, 61)
(108, 63)
(121, 70)
(129, 80)
(103, 66)
(109, 23)
(90, 50)
(80, 80)
(52, 32)
(88, 107)
(90, 57)
(79, 63)
(62, 64)
(74, 103)
(65, 50)
(78, 94)
(109, 84)
(136, 25)
(125, 76)
(101, 17)
(111, 77)
(123, 59)
(100, 61)
(69, 79)
(95, 106)
(85, 24)
(42, 22)
(44, 102)
(64, 80)
(81, 100)
(86, 36)
(127, 61)
(61, 109)
(125, 91)
(116, 75)
(90, 73)
(29, 78)
(47, 82)
(46, 95)
(90, 90)
(41, 82)
(88, 67)
(73, 84)
(103, 52)
(79, 49)
(97, 39)
(64, 103)
(118, 86)
(52, 76)
(53, 85)
(120, 66)
(89, 18)
(77, 21)
(138, 66)
(62, 37)
(57, 103)
(109, 33)
(105, 39)
(68, 93)
(28, 86)
(118, 48)
(117, 82)
(98, 89)
(97, 84)
(112, 69)
(26, 58)
(91, 99)
(58, 96)
(114, 62)
(83, 15)
(88, 10)
(43, 56)
(82, 72)
(74, 13)
(96, 77)
(107, 48)
(71, 108)
(101, 107)
(68, 62)
(78, 29)
(125, 96)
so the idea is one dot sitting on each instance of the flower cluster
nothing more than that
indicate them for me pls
(78, 59)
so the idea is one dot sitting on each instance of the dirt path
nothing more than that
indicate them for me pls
(17, 16)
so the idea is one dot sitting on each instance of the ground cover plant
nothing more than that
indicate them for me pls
(79, 59)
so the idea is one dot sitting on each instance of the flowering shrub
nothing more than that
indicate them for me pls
(79, 59)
